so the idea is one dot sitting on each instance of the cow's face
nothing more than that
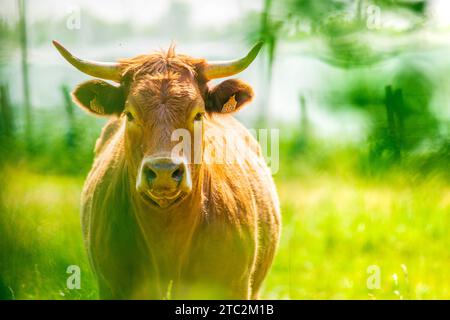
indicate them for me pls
(158, 104)
(159, 94)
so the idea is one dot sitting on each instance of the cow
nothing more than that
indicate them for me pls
(157, 224)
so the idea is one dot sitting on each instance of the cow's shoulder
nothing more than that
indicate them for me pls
(240, 184)
(225, 134)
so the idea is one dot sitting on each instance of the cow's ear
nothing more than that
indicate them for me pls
(228, 96)
(99, 97)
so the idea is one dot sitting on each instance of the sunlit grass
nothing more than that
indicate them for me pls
(333, 230)
(41, 236)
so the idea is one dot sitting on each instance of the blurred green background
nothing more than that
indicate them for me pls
(358, 89)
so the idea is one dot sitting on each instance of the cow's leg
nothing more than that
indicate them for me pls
(221, 264)
(269, 233)
(266, 255)
(241, 290)
(258, 278)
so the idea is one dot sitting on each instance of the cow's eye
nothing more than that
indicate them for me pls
(129, 116)
(198, 116)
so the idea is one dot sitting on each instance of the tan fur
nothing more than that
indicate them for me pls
(218, 242)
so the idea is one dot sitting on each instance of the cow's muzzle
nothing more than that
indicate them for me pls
(163, 181)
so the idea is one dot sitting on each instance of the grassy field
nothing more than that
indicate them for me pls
(333, 230)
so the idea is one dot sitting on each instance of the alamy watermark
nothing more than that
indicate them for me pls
(373, 281)
(73, 21)
(214, 146)
(74, 280)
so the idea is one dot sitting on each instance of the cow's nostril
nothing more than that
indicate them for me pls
(150, 174)
(177, 175)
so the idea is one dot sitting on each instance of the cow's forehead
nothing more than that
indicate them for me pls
(172, 90)
(162, 79)
(160, 64)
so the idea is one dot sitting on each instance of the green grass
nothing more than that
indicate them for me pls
(334, 228)
(41, 236)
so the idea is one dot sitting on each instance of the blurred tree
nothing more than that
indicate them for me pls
(71, 135)
(410, 123)
(417, 6)
(304, 119)
(349, 37)
(9, 39)
(25, 75)
(347, 29)
(268, 32)
(312, 11)
(6, 114)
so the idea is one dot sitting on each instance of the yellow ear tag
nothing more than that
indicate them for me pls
(230, 105)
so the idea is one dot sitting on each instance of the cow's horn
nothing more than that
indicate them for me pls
(103, 70)
(220, 69)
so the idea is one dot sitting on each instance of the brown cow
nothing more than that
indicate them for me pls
(162, 226)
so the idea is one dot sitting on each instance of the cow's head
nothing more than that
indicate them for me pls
(157, 94)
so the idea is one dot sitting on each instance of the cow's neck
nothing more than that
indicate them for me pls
(169, 233)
